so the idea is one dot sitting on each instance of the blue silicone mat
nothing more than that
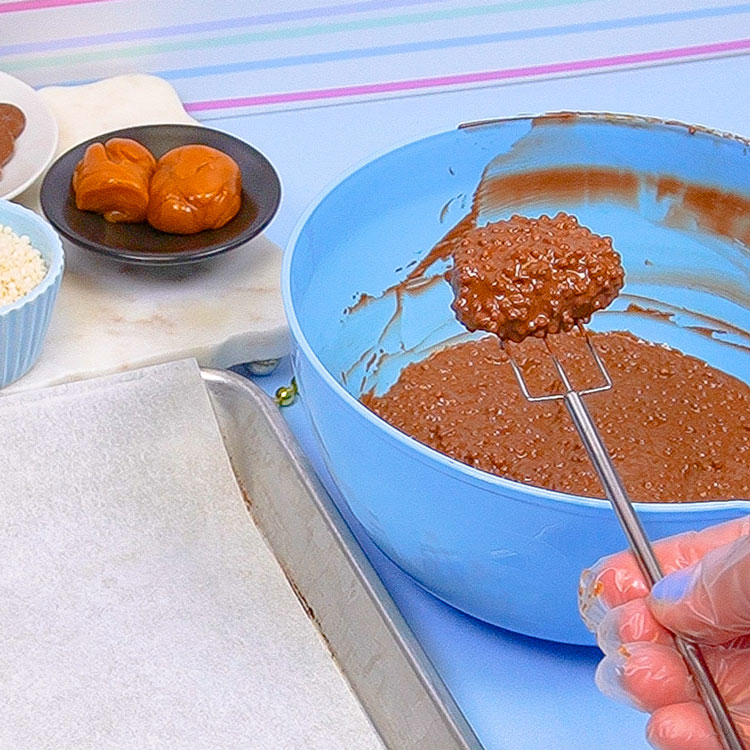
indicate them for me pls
(517, 693)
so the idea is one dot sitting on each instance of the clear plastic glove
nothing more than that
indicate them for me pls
(705, 595)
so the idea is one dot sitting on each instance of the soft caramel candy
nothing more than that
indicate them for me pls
(194, 188)
(113, 179)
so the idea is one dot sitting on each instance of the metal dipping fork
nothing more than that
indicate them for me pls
(631, 525)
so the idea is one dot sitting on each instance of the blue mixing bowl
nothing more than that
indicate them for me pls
(508, 553)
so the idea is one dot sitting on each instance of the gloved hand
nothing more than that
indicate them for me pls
(705, 595)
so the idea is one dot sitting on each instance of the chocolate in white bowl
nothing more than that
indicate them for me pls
(32, 147)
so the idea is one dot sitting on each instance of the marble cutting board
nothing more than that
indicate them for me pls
(112, 317)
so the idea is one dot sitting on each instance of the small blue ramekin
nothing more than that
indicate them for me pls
(24, 323)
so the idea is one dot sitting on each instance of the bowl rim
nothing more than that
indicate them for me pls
(424, 453)
(56, 262)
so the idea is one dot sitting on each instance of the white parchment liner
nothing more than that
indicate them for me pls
(139, 605)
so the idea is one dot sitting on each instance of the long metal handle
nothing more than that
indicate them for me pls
(648, 563)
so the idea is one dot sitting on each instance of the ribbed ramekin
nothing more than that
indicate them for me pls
(24, 323)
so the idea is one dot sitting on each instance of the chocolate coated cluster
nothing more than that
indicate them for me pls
(530, 277)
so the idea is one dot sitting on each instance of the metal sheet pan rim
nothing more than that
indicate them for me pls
(456, 732)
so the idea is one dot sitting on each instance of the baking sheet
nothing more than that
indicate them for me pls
(140, 606)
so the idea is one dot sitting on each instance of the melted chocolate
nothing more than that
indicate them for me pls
(690, 204)
(678, 430)
(559, 185)
(712, 209)
(12, 119)
(6, 145)
(12, 124)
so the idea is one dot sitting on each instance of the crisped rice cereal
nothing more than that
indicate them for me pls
(21, 266)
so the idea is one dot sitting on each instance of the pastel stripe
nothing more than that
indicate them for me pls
(248, 38)
(262, 19)
(639, 58)
(366, 52)
(448, 43)
(18, 6)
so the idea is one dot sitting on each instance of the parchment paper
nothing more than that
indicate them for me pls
(139, 605)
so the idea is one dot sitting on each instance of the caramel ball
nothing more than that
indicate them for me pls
(194, 188)
(113, 179)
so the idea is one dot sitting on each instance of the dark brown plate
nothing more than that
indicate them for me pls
(141, 243)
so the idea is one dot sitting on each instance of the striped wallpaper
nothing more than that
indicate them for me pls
(227, 58)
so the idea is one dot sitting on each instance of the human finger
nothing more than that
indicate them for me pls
(682, 726)
(708, 601)
(646, 676)
(631, 622)
(616, 579)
